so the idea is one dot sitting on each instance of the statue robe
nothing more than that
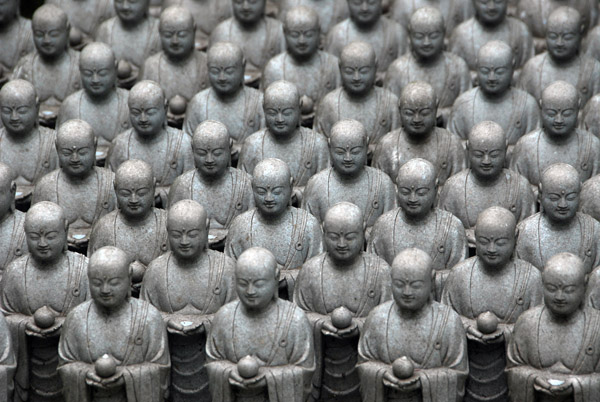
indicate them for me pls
(23, 293)
(145, 362)
(330, 12)
(588, 198)
(526, 360)
(8, 363)
(17, 42)
(442, 366)
(380, 115)
(86, 22)
(454, 11)
(311, 153)
(466, 199)
(301, 241)
(443, 149)
(336, 375)
(12, 239)
(590, 117)
(374, 193)
(593, 289)
(470, 297)
(582, 240)
(540, 71)
(213, 287)
(391, 40)
(281, 338)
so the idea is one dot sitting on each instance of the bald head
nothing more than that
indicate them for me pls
(186, 212)
(488, 135)
(49, 14)
(426, 19)
(176, 18)
(566, 266)
(8, 189)
(560, 92)
(560, 175)
(414, 260)
(495, 53)
(45, 212)
(18, 90)
(418, 94)
(73, 133)
(301, 17)
(109, 275)
(134, 171)
(411, 279)
(108, 261)
(344, 214)
(272, 170)
(97, 54)
(417, 169)
(564, 18)
(146, 93)
(496, 219)
(211, 133)
(282, 94)
(257, 258)
(348, 129)
(358, 54)
(224, 54)
(565, 279)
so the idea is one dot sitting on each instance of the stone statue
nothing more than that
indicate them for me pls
(495, 99)
(38, 290)
(417, 223)
(52, 68)
(188, 285)
(207, 15)
(559, 139)
(136, 227)
(419, 137)
(228, 100)
(490, 291)
(486, 183)
(589, 198)
(84, 191)
(15, 35)
(133, 35)
(113, 347)
(491, 23)
(349, 179)
(260, 347)
(260, 37)
(166, 149)
(454, 11)
(358, 98)
(314, 72)
(590, 116)
(339, 287)
(8, 362)
(536, 14)
(562, 60)
(302, 149)
(178, 69)
(559, 227)
(85, 16)
(223, 191)
(293, 235)
(330, 12)
(12, 233)
(412, 348)
(446, 72)
(554, 352)
(367, 24)
(24, 146)
(100, 103)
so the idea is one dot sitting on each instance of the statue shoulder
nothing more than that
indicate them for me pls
(527, 225)
(254, 140)
(199, 100)
(462, 31)
(456, 225)
(457, 181)
(153, 316)
(464, 101)
(528, 141)
(104, 30)
(15, 270)
(376, 262)
(221, 31)
(461, 272)
(46, 185)
(378, 317)
(460, 65)
(157, 266)
(518, 26)
(241, 223)
(224, 316)
(77, 317)
(386, 222)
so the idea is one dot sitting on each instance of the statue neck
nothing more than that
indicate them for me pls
(284, 138)
(350, 178)
(559, 139)
(495, 97)
(7, 214)
(495, 271)
(152, 138)
(274, 220)
(229, 97)
(303, 60)
(486, 181)
(112, 312)
(181, 60)
(54, 59)
(101, 99)
(136, 221)
(79, 180)
(414, 314)
(565, 63)
(190, 263)
(22, 137)
(132, 25)
(214, 180)
(417, 220)
(48, 265)
(7, 26)
(425, 61)
(419, 138)
(347, 265)
(263, 312)
(359, 97)
(564, 319)
(367, 27)
(252, 25)
(560, 226)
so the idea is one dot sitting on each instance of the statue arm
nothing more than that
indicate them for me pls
(456, 121)
(527, 199)
(8, 362)
(187, 155)
(43, 189)
(192, 119)
(23, 68)
(390, 201)
(310, 199)
(233, 246)
(371, 367)
(521, 375)
(315, 246)
(459, 248)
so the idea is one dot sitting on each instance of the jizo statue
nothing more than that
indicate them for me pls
(330, 12)
(454, 12)
(8, 362)
(16, 36)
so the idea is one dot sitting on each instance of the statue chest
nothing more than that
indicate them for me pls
(216, 200)
(21, 157)
(78, 201)
(421, 236)
(104, 118)
(410, 338)
(290, 152)
(155, 153)
(559, 345)
(358, 193)
(342, 289)
(189, 291)
(52, 80)
(140, 242)
(365, 111)
(47, 287)
(9, 54)
(132, 44)
(231, 114)
(276, 238)
(254, 336)
(491, 294)
(109, 335)
(548, 153)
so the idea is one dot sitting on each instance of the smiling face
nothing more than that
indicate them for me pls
(564, 280)
(426, 30)
(487, 150)
(248, 12)
(177, 32)
(18, 107)
(50, 31)
(282, 108)
(131, 11)
(348, 147)
(343, 232)
(272, 187)
(365, 12)
(226, 67)
(186, 226)
(563, 33)
(302, 32)
(416, 183)
(495, 237)
(98, 71)
(490, 12)
(76, 148)
(358, 68)
(46, 232)
(560, 190)
(134, 186)
(495, 68)
(109, 278)
(411, 279)
(212, 154)
(418, 109)
(147, 108)
(256, 279)
(560, 107)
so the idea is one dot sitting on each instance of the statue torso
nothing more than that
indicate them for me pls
(21, 156)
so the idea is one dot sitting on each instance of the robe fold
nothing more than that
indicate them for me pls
(22, 43)
(12, 235)
(185, 79)
(288, 353)
(145, 366)
(8, 363)
(442, 369)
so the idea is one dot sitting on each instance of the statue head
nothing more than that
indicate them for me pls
(177, 32)
(564, 32)
(50, 27)
(426, 29)
(495, 67)
(8, 189)
(490, 12)
(495, 237)
(9, 11)
(560, 106)
(565, 279)
(130, 12)
(212, 149)
(46, 232)
(134, 186)
(256, 279)
(418, 109)
(358, 68)
(282, 108)
(187, 226)
(226, 65)
(343, 229)
(147, 108)
(487, 150)
(76, 148)
(417, 187)
(411, 279)
(365, 12)
(109, 277)
(559, 193)
(98, 70)
(19, 107)
(348, 146)
(272, 187)
(302, 32)
(248, 12)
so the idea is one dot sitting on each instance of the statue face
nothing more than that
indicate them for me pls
(490, 12)
(271, 194)
(76, 155)
(98, 76)
(487, 155)
(495, 244)
(282, 114)
(188, 236)
(109, 285)
(427, 40)
(248, 11)
(147, 114)
(494, 73)
(256, 286)
(46, 238)
(177, 38)
(416, 194)
(348, 153)
(365, 12)
(564, 291)
(563, 40)
(19, 113)
(560, 199)
(411, 286)
(135, 196)
(302, 38)
(226, 73)
(344, 239)
(211, 155)
(130, 11)
(559, 116)
(418, 115)
(50, 37)
(358, 74)
(8, 11)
